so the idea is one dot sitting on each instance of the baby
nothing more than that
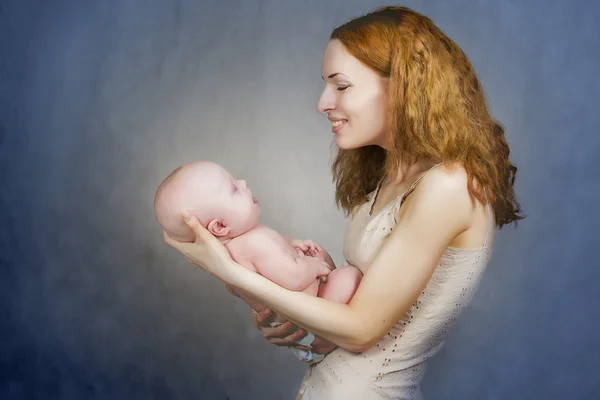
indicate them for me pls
(226, 208)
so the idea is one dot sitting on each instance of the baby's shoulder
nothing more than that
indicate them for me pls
(258, 239)
(263, 233)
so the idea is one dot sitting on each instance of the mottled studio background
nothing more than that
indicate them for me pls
(100, 100)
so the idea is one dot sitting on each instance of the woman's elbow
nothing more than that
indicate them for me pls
(356, 348)
(361, 347)
(360, 343)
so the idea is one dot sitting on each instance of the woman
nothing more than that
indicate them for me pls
(423, 173)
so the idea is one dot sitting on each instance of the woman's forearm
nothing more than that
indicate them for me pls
(332, 321)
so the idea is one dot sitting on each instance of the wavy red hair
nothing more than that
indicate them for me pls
(437, 112)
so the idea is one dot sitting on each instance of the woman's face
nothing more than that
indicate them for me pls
(354, 98)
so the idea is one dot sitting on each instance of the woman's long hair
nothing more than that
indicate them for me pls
(437, 112)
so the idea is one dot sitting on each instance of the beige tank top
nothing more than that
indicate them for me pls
(394, 367)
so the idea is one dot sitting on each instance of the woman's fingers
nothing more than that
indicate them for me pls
(281, 335)
(263, 323)
(169, 240)
(199, 231)
(278, 332)
(289, 340)
(262, 318)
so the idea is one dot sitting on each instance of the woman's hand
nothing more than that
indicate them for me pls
(283, 335)
(287, 334)
(206, 252)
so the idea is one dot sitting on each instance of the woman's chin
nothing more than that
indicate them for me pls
(344, 144)
(340, 142)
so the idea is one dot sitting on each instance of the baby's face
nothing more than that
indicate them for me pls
(225, 206)
(236, 206)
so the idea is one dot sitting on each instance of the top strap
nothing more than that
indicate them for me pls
(490, 210)
(414, 185)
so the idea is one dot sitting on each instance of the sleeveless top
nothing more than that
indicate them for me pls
(394, 366)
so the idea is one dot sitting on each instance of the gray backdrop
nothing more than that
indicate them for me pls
(100, 100)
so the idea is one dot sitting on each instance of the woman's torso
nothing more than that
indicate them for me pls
(393, 368)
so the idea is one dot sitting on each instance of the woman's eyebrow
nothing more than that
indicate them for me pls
(333, 75)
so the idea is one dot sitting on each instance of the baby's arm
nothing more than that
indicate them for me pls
(286, 268)
(308, 247)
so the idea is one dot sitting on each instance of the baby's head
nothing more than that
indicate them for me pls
(223, 205)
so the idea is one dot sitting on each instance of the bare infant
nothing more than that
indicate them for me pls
(226, 208)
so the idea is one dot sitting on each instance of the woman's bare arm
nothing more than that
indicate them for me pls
(438, 210)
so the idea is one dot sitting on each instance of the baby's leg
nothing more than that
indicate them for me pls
(325, 257)
(341, 284)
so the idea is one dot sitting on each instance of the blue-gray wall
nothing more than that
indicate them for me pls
(99, 100)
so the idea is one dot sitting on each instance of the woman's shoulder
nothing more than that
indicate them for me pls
(444, 187)
(450, 177)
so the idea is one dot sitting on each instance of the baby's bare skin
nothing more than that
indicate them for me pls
(227, 209)
(274, 256)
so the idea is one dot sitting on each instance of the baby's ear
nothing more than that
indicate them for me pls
(217, 228)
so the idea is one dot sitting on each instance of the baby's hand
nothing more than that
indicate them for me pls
(308, 247)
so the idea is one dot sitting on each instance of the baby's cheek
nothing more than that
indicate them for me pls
(248, 214)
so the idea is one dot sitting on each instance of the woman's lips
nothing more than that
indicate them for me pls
(338, 127)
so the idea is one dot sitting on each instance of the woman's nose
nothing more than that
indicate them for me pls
(325, 104)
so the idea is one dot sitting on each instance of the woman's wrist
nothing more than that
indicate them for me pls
(238, 275)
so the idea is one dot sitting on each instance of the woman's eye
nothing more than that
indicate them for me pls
(342, 88)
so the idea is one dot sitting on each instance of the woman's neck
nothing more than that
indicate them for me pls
(411, 172)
